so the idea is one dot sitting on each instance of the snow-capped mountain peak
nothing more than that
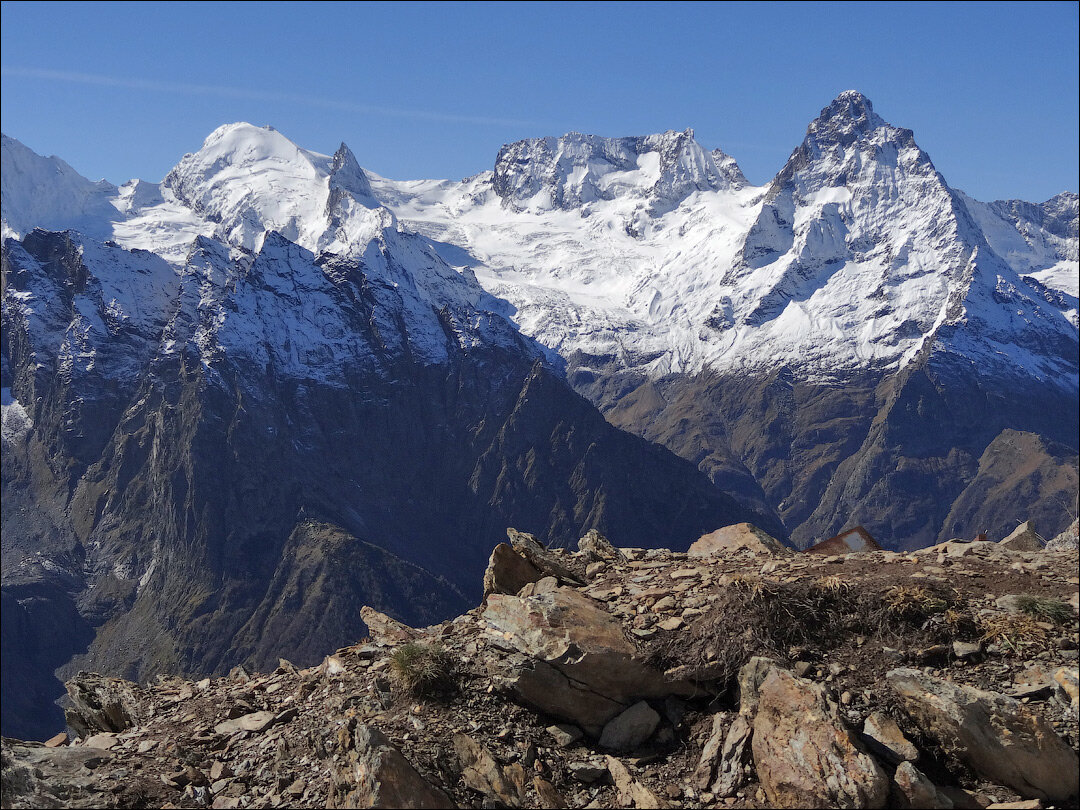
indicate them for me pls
(641, 253)
(543, 174)
(847, 118)
(648, 252)
(346, 174)
(250, 180)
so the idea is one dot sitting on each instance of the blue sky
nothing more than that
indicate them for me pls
(419, 90)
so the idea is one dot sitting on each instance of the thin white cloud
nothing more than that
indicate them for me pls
(255, 95)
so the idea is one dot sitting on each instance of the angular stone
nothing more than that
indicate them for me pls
(1068, 680)
(102, 704)
(1023, 538)
(918, 790)
(997, 736)
(731, 773)
(548, 795)
(631, 793)
(751, 675)
(482, 773)
(629, 729)
(739, 537)
(103, 741)
(1033, 691)
(710, 754)
(805, 756)
(885, 739)
(664, 604)
(586, 772)
(57, 740)
(597, 547)
(564, 734)
(542, 585)
(533, 550)
(375, 774)
(580, 666)
(385, 630)
(508, 572)
(966, 649)
(254, 722)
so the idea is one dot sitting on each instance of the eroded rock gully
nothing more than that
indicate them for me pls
(628, 678)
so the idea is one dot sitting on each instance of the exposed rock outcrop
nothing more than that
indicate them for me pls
(999, 737)
(357, 731)
(739, 537)
(375, 774)
(578, 664)
(804, 754)
(1024, 538)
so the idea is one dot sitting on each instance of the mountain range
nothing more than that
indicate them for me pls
(243, 402)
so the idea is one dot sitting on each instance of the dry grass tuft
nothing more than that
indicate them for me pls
(914, 601)
(420, 669)
(762, 617)
(1045, 609)
(1019, 633)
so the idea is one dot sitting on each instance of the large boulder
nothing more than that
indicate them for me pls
(805, 756)
(740, 537)
(99, 703)
(371, 772)
(1023, 538)
(598, 548)
(1068, 540)
(508, 572)
(997, 736)
(546, 561)
(578, 664)
(629, 729)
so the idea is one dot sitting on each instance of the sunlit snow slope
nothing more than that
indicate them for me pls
(657, 255)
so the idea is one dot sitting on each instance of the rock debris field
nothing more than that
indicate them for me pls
(739, 674)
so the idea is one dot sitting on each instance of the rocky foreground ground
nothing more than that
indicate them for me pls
(739, 675)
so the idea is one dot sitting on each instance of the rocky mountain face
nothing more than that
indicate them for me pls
(739, 674)
(851, 343)
(243, 402)
(259, 405)
(565, 173)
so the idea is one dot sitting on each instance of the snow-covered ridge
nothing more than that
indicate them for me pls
(250, 180)
(547, 173)
(253, 252)
(853, 258)
(647, 252)
(45, 192)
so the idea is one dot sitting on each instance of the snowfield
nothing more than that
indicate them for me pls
(647, 253)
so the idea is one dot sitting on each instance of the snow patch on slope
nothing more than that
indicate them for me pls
(45, 192)
(15, 423)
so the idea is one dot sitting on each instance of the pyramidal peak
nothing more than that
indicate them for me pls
(251, 179)
(848, 118)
